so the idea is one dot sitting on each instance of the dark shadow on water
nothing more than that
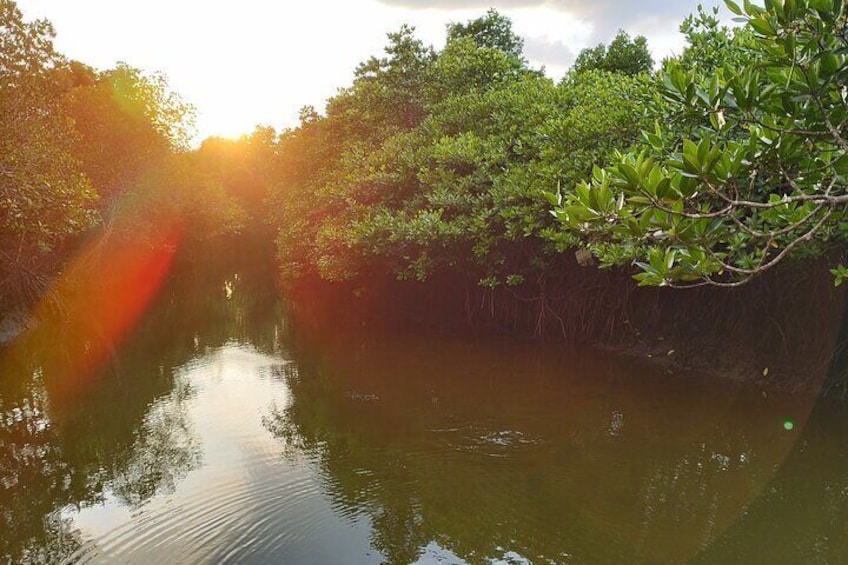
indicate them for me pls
(494, 450)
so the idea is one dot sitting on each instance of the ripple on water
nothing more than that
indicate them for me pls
(477, 439)
(245, 497)
(227, 518)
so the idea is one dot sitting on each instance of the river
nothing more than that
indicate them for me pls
(222, 429)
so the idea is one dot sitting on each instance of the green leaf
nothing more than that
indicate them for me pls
(733, 7)
(762, 26)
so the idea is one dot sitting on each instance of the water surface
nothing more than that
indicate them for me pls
(222, 430)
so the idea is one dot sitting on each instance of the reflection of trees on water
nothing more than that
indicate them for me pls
(52, 464)
(165, 450)
(802, 515)
(517, 461)
(481, 450)
(35, 482)
(124, 430)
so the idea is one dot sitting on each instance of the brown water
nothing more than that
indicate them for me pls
(222, 431)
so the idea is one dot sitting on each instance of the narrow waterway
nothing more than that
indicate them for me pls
(223, 430)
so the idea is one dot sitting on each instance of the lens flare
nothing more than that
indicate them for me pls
(96, 302)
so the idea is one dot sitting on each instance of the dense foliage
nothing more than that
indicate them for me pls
(438, 160)
(717, 167)
(43, 194)
(126, 120)
(623, 55)
(84, 150)
(748, 169)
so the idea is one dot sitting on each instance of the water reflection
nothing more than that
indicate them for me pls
(165, 450)
(128, 440)
(35, 480)
(507, 452)
(222, 431)
(802, 514)
(119, 436)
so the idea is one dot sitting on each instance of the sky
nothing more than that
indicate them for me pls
(250, 62)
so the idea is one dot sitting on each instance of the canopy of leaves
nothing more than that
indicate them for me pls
(749, 168)
(623, 55)
(438, 160)
(44, 196)
(70, 134)
(127, 121)
(492, 31)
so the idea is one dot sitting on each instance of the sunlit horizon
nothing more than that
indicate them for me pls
(260, 63)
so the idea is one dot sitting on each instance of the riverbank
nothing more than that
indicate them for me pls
(754, 334)
(779, 332)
